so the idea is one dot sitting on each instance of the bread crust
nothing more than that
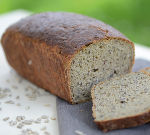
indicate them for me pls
(51, 40)
(125, 122)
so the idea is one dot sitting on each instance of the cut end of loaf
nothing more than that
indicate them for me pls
(122, 102)
(98, 62)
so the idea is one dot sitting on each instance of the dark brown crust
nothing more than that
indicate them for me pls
(68, 31)
(51, 40)
(47, 69)
(125, 122)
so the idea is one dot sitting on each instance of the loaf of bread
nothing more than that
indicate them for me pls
(122, 102)
(67, 53)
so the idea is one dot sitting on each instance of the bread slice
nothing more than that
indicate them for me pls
(67, 53)
(146, 70)
(122, 102)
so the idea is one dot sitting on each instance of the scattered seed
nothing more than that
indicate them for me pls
(31, 96)
(12, 123)
(46, 121)
(44, 117)
(9, 102)
(29, 132)
(79, 132)
(37, 122)
(4, 92)
(43, 128)
(53, 118)
(27, 122)
(18, 104)
(20, 125)
(46, 133)
(6, 118)
(20, 118)
(39, 119)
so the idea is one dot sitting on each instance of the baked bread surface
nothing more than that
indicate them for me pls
(41, 47)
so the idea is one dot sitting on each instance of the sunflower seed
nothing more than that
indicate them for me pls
(79, 132)
(44, 117)
(20, 125)
(20, 118)
(43, 128)
(46, 133)
(10, 102)
(6, 118)
(27, 122)
(12, 123)
(53, 118)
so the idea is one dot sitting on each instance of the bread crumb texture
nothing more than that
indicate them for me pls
(122, 97)
(98, 62)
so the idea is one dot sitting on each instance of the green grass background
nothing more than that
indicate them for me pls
(131, 17)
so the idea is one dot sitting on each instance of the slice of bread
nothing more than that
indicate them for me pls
(122, 102)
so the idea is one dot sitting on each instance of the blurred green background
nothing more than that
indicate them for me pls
(131, 17)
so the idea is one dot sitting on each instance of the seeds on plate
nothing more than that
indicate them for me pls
(46, 133)
(20, 125)
(79, 132)
(12, 123)
(29, 132)
(43, 128)
(44, 117)
(20, 118)
(27, 122)
(6, 118)
(18, 104)
(46, 121)
(9, 102)
(53, 118)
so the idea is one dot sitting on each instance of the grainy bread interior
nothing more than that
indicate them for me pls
(98, 62)
(122, 98)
